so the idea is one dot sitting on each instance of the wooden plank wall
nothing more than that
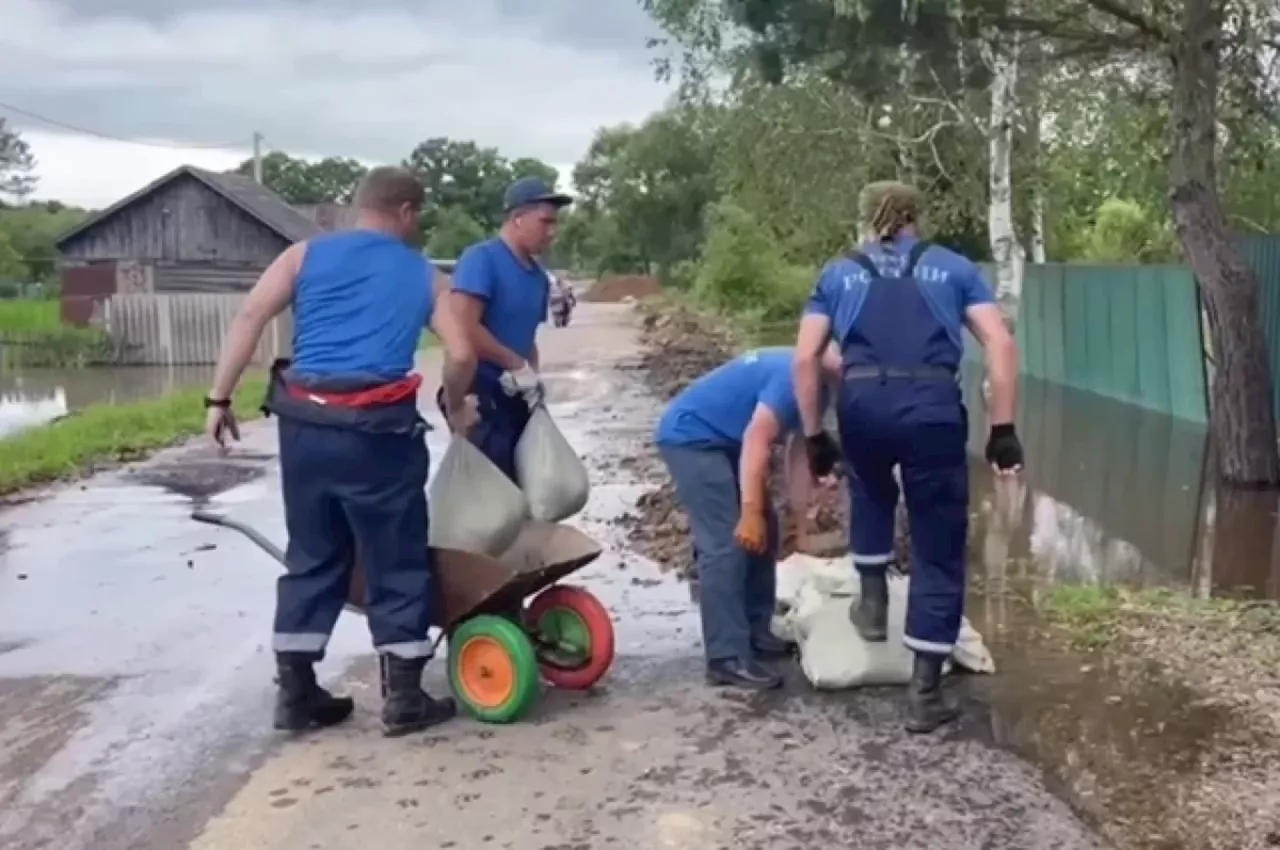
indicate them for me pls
(185, 329)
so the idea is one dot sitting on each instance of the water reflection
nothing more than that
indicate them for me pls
(1116, 493)
(36, 396)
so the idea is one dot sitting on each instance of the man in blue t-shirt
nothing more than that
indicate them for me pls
(501, 295)
(715, 438)
(897, 308)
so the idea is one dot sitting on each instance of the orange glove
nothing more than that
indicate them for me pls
(752, 532)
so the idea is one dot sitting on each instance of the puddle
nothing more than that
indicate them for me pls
(1118, 494)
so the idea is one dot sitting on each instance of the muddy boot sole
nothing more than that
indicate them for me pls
(727, 680)
(441, 711)
(330, 712)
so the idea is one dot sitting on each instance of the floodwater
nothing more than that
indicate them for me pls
(1117, 494)
(36, 396)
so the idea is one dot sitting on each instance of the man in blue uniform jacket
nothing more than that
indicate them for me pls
(896, 308)
(715, 438)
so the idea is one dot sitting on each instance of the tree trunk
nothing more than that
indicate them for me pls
(1243, 425)
(1005, 250)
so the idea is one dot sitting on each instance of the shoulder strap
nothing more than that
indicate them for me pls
(914, 255)
(864, 261)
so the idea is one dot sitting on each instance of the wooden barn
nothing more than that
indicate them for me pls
(191, 231)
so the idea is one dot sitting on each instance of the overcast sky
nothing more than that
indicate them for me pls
(364, 79)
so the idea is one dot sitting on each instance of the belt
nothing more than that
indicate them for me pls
(928, 372)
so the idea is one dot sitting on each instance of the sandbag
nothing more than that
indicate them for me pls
(815, 595)
(551, 474)
(473, 506)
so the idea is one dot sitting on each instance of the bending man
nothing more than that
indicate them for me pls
(353, 456)
(715, 438)
(501, 295)
(896, 308)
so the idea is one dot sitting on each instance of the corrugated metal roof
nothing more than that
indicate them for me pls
(257, 201)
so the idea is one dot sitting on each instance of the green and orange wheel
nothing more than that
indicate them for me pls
(493, 669)
(574, 636)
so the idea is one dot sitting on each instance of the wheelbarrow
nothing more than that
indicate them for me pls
(499, 647)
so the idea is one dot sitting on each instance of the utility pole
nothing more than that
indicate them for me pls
(257, 157)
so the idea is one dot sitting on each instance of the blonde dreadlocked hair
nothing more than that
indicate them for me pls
(888, 206)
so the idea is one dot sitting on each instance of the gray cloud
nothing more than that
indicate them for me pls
(328, 77)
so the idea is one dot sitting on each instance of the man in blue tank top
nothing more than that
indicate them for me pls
(502, 295)
(353, 458)
(715, 438)
(897, 308)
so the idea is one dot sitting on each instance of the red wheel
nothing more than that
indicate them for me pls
(574, 636)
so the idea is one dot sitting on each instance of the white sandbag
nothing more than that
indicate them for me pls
(815, 595)
(473, 506)
(551, 474)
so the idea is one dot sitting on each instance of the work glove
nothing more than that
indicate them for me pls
(822, 453)
(752, 532)
(1004, 449)
(524, 382)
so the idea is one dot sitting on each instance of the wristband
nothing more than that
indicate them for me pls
(222, 403)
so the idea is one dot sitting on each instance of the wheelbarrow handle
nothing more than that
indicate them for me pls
(210, 518)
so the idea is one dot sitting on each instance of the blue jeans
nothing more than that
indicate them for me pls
(738, 590)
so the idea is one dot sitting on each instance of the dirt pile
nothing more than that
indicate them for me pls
(612, 288)
(681, 345)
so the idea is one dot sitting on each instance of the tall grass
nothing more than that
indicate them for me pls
(32, 336)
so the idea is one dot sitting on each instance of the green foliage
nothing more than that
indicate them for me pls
(644, 191)
(17, 164)
(300, 181)
(31, 232)
(454, 231)
(1126, 232)
(464, 176)
(742, 271)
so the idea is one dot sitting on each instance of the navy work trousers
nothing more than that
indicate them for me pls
(347, 491)
(878, 431)
(737, 590)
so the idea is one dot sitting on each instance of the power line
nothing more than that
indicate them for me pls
(88, 132)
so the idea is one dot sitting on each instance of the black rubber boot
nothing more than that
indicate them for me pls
(927, 708)
(301, 703)
(406, 707)
(742, 674)
(870, 614)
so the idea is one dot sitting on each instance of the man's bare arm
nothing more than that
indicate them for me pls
(268, 299)
(986, 322)
(470, 313)
(459, 354)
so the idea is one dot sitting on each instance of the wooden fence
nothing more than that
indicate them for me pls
(184, 329)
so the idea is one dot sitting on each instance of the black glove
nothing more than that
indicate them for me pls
(1004, 449)
(823, 454)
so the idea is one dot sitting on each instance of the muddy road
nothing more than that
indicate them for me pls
(135, 692)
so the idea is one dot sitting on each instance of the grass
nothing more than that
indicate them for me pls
(32, 336)
(1096, 615)
(105, 434)
(29, 314)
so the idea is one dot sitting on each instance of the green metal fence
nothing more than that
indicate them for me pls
(1130, 333)
(1262, 253)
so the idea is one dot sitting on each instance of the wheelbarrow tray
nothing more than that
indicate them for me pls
(468, 583)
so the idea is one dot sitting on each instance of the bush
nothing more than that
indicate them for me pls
(742, 271)
(1126, 232)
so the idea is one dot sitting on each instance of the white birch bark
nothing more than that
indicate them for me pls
(1005, 249)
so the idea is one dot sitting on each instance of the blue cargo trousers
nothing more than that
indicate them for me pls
(738, 590)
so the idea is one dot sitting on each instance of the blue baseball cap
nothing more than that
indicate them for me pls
(532, 190)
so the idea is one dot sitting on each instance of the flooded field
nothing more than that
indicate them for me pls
(1117, 494)
(35, 396)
